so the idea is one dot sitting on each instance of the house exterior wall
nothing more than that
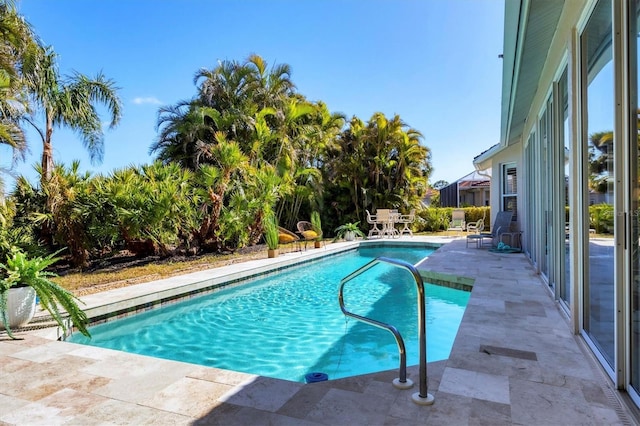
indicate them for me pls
(454, 196)
(449, 195)
(477, 197)
(511, 154)
(587, 84)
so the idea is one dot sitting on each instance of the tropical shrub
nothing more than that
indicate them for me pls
(66, 195)
(10, 235)
(434, 219)
(154, 207)
(601, 218)
(353, 228)
(473, 214)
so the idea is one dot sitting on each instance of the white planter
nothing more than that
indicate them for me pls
(349, 236)
(21, 306)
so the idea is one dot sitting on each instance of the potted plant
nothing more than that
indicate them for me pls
(21, 280)
(348, 231)
(271, 236)
(317, 227)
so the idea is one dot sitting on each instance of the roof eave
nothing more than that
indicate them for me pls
(484, 160)
(529, 29)
(512, 24)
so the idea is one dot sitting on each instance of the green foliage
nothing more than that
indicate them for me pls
(434, 219)
(66, 195)
(17, 41)
(435, 200)
(153, 205)
(348, 227)
(153, 209)
(600, 157)
(440, 184)
(68, 101)
(257, 107)
(21, 270)
(11, 235)
(473, 214)
(271, 232)
(316, 223)
(377, 164)
(601, 218)
(245, 145)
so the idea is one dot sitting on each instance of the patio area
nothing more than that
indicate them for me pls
(514, 361)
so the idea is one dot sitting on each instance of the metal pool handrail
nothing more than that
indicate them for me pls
(423, 397)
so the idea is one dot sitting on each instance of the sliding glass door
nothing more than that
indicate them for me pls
(564, 156)
(598, 181)
(633, 218)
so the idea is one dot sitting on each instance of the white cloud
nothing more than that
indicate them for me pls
(148, 100)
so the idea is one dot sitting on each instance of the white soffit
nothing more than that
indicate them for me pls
(528, 32)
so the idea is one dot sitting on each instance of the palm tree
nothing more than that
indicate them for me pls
(65, 192)
(214, 182)
(70, 102)
(16, 40)
(600, 161)
(268, 88)
(242, 100)
(347, 164)
(411, 166)
(186, 133)
(228, 90)
(311, 129)
(378, 164)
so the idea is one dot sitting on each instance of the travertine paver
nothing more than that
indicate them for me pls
(514, 361)
(489, 387)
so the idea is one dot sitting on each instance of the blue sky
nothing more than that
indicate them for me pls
(433, 62)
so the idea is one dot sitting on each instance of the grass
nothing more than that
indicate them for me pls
(84, 283)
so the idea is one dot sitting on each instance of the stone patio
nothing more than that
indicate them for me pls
(514, 361)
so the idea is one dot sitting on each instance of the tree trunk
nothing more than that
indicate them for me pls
(47, 152)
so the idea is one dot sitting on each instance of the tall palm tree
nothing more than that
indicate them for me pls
(412, 167)
(186, 131)
(378, 164)
(70, 102)
(268, 87)
(228, 90)
(311, 129)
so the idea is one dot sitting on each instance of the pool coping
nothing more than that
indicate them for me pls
(123, 302)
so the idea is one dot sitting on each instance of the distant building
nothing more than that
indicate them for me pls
(428, 196)
(473, 189)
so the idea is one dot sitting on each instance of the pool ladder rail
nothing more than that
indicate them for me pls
(422, 397)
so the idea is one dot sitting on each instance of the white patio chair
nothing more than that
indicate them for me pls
(457, 221)
(373, 221)
(406, 220)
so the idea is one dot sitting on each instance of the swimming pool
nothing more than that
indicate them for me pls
(289, 324)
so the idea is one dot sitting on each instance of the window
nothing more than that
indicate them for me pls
(510, 189)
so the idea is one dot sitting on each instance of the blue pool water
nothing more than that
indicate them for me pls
(289, 324)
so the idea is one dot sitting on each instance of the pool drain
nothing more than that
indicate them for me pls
(315, 377)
